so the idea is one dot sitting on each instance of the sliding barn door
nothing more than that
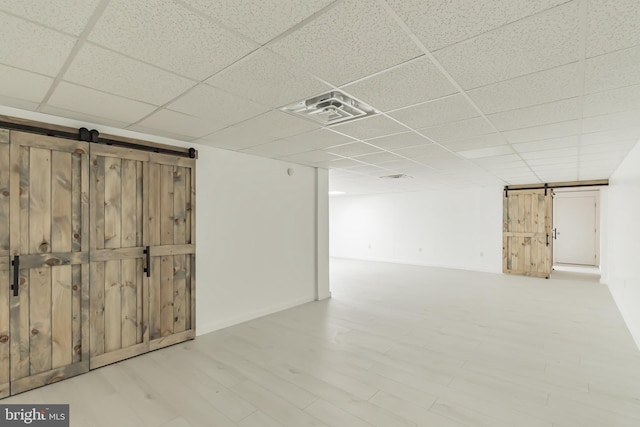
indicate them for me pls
(49, 326)
(118, 286)
(5, 254)
(170, 234)
(526, 237)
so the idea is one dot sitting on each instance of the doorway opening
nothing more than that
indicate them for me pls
(576, 232)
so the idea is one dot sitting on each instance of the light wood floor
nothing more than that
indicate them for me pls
(396, 346)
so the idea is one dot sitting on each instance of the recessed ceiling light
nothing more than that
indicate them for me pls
(330, 108)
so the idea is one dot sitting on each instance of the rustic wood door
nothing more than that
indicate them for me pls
(49, 328)
(526, 237)
(170, 236)
(5, 262)
(118, 286)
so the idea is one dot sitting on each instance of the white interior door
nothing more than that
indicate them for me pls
(576, 228)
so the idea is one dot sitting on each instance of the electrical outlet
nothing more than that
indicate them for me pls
(419, 249)
(481, 254)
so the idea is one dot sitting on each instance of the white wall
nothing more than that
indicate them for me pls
(621, 265)
(454, 229)
(258, 231)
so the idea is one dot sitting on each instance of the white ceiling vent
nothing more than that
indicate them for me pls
(330, 108)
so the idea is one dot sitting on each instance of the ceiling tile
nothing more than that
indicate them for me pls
(622, 134)
(312, 156)
(444, 110)
(81, 116)
(570, 175)
(604, 157)
(266, 78)
(430, 151)
(542, 169)
(547, 144)
(236, 137)
(207, 102)
(623, 146)
(23, 85)
(542, 41)
(354, 149)
(251, 18)
(558, 111)
(610, 121)
(560, 161)
(108, 71)
(537, 88)
(613, 70)
(401, 140)
(486, 152)
(503, 159)
(458, 130)
(612, 25)
(33, 47)
(345, 164)
(176, 123)
(545, 154)
(168, 35)
(555, 130)
(405, 166)
(408, 84)
(22, 104)
(350, 41)
(321, 138)
(438, 24)
(280, 125)
(370, 127)
(476, 142)
(83, 100)
(380, 158)
(281, 147)
(69, 16)
(612, 101)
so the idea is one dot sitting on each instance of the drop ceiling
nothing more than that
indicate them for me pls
(467, 93)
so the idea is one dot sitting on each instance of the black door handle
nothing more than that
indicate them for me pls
(147, 265)
(555, 233)
(16, 275)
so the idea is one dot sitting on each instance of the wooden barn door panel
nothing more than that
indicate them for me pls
(5, 262)
(118, 289)
(171, 240)
(527, 232)
(49, 233)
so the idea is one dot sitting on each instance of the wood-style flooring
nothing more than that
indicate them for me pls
(397, 345)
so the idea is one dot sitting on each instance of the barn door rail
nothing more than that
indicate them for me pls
(93, 136)
(551, 185)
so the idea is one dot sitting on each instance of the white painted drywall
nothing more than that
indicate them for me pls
(454, 229)
(257, 230)
(622, 262)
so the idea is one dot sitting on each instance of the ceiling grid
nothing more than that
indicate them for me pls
(466, 94)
